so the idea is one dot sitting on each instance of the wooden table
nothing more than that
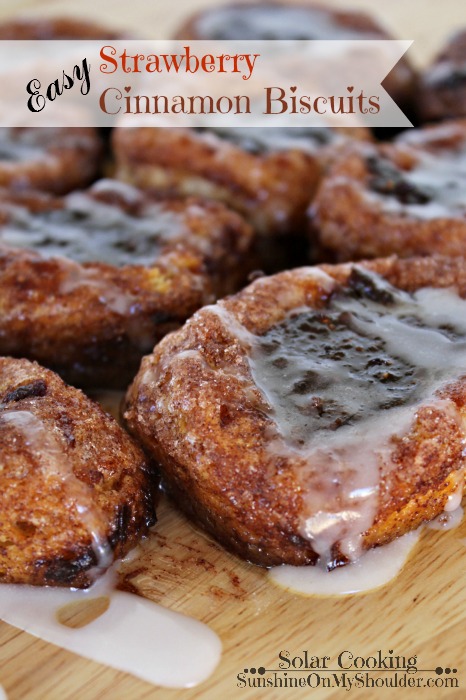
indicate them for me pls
(422, 613)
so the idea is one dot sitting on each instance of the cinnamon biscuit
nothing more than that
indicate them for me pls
(442, 86)
(89, 282)
(76, 492)
(317, 413)
(408, 198)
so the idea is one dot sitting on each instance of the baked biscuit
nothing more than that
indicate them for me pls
(89, 282)
(442, 86)
(53, 159)
(407, 199)
(76, 492)
(294, 21)
(317, 413)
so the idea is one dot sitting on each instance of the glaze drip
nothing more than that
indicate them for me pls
(447, 75)
(133, 635)
(374, 569)
(20, 146)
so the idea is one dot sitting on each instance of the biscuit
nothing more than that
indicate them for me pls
(406, 198)
(89, 282)
(76, 492)
(442, 86)
(317, 413)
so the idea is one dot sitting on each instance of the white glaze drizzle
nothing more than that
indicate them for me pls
(454, 499)
(453, 512)
(254, 140)
(441, 72)
(19, 146)
(442, 176)
(448, 520)
(440, 137)
(133, 635)
(374, 569)
(41, 442)
(130, 194)
(89, 230)
(3, 695)
(115, 298)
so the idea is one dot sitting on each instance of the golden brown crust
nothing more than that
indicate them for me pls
(68, 472)
(367, 206)
(195, 408)
(53, 159)
(92, 322)
(442, 86)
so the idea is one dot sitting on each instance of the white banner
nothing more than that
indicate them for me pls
(199, 83)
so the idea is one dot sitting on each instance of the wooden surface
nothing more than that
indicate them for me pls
(422, 613)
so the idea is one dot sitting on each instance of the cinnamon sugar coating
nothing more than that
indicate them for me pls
(76, 492)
